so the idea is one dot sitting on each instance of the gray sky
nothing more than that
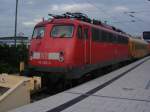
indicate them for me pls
(114, 11)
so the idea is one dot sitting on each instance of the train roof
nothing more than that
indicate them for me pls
(138, 40)
(76, 18)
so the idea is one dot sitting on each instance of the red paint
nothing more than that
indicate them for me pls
(77, 52)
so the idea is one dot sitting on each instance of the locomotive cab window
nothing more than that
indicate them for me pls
(62, 31)
(38, 32)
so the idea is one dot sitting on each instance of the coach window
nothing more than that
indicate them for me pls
(79, 32)
(85, 34)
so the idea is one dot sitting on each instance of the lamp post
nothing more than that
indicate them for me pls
(16, 14)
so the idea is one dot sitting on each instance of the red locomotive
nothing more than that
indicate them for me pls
(71, 45)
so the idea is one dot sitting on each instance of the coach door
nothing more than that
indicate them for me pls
(86, 44)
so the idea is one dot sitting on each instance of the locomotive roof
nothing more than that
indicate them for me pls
(75, 21)
(58, 21)
(77, 17)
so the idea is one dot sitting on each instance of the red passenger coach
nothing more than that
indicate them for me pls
(72, 45)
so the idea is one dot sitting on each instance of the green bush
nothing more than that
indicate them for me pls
(10, 58)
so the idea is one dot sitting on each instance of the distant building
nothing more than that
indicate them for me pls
(11, 40)
(146, 36)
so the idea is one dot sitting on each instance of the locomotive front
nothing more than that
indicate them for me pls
(52, 46)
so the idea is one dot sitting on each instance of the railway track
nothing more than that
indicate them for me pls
(46, 92)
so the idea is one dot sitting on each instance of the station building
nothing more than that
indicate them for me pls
(11, 40)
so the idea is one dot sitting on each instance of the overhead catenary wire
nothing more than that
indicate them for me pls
(110, 17)
(136, 19)
(114, 20)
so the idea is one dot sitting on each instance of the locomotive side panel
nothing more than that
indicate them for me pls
(108, 47)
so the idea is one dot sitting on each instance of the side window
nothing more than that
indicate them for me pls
(114, 38)
(85, 33)
(119, 38)
(104, 36)
(100, 35)
(110, 37)
(95, 34)
(126, 39)
(123, 40)
(79, 32)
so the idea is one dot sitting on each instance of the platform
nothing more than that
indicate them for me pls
(124, 90)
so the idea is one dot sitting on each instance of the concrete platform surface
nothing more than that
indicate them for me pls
(123, 90)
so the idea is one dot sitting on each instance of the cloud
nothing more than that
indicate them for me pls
(110, 10)
(120, 9)
(30, 2)
(71, 7)
(31, 23)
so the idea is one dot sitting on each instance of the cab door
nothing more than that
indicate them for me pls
(86, 39)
